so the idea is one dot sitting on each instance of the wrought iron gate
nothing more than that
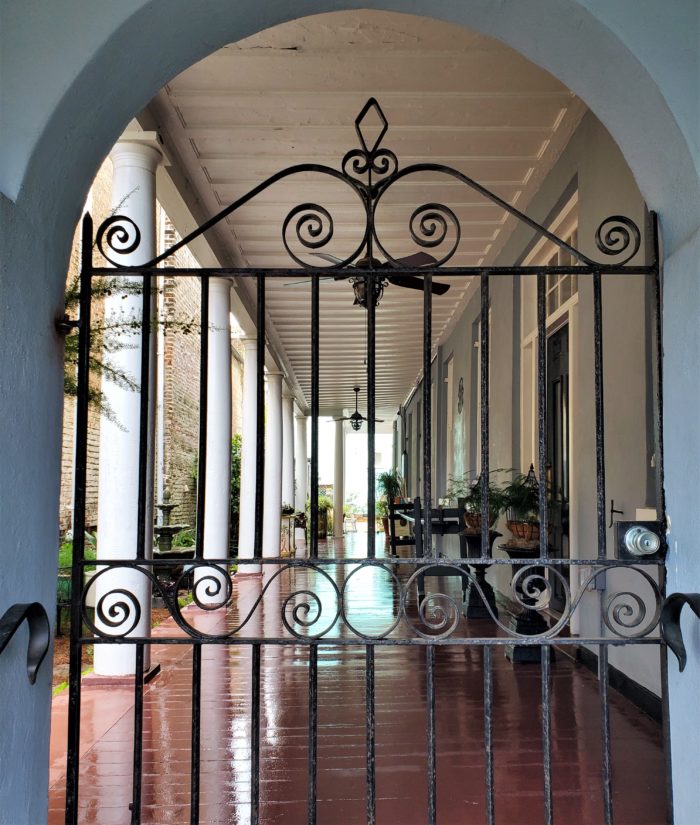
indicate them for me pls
(626, 618)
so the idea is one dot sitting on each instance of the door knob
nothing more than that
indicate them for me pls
(640, 541)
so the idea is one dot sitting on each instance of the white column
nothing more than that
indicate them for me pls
(300, 464)
(339, 480)
(273, 466)
(133, 195)
(288, 448)
(218, 472)
(246, 526)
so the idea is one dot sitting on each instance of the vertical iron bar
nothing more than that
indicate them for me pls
(315, 393)
(369, 702)
(657, 373)
(542, 411)
(658, 365)
(145, 391)
(199, 544)
(196, 732)
(605, 733)
(203, 401)
(80, 489)
(313, 731)
(371, 285)
(137, 765)
(143, 494)
(599, 413)
(484, 413)
(255, 736)
(545, 653)
(427, 411)
(260, 417)
(488, 733)
(430, 703)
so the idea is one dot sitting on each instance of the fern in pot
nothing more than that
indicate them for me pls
(468, 488)
(522, 505)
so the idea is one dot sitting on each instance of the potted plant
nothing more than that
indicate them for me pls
(390, 486)
(287, 509)
(381, 510)
(325, 508)
(468, 487)
(522, 504)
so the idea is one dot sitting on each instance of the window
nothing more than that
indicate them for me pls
(561, 287)
(449, 403)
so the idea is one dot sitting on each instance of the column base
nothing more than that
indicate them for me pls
(474, 607)
(96, 680)
(527, 623)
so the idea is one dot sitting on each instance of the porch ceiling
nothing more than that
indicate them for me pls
(290, 95)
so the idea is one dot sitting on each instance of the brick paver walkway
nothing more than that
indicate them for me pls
(106, 767)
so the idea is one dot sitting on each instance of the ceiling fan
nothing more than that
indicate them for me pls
(359, 284)
(357, 418)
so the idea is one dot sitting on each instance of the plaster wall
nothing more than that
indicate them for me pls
(605, 186)
(637, 69)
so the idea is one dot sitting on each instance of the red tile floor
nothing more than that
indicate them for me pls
(401, 784)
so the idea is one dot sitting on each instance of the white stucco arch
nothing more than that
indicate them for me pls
(72, 80)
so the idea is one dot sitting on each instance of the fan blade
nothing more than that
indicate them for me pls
(333, 260)
(307, 281)
(341, 419)
(416, 259)
(327, 257)
(412, 282)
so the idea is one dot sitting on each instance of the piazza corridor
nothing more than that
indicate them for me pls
(401, 739)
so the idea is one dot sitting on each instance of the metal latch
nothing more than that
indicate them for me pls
(640, 540)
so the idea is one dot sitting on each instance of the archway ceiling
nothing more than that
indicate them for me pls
(290, 95)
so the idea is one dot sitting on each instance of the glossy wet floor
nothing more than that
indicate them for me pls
(401, 737)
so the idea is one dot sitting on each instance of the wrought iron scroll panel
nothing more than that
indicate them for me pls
(369, 171)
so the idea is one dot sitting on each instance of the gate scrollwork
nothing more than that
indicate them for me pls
(323, 606)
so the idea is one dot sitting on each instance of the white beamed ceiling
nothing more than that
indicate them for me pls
(291, 94)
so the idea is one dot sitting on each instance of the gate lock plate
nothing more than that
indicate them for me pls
(640, 540)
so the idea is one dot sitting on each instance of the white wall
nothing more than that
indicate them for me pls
(605, 186)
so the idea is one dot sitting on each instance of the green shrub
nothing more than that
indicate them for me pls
(65, 554)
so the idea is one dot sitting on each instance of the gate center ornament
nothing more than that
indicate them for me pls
(370, 171)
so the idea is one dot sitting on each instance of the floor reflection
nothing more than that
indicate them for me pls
(371, 603)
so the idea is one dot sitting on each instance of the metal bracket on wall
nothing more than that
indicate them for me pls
(39, 633)
(671, 623)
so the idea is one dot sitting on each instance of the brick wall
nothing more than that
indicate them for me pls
(98, 204)
(179, 305)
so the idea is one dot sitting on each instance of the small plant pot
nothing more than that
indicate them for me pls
(524, 530)
(385, 525)
(473, 521)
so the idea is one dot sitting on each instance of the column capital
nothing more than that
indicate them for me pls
(221, 285)
(249, 341)
(137, 149)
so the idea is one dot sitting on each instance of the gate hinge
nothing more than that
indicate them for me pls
(64, 326)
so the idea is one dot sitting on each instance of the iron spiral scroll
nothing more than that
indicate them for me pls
(323, 608)
(370, 172)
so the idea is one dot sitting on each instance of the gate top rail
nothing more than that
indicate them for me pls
(370, 172)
